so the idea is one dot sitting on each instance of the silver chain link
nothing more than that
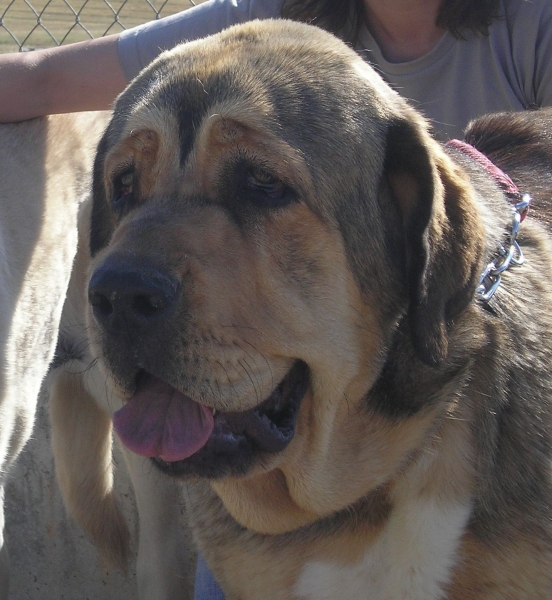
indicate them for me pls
(508, 255)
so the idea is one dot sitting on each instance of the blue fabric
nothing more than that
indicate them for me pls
(140, 45)
(206, 588)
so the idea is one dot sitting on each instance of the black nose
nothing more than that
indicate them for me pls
(131, 294)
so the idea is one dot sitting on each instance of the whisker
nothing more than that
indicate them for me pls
(247, 370)
(272, 384)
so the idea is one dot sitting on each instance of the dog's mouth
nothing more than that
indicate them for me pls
(162, 423)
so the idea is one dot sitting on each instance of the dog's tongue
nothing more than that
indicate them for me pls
(160, 421)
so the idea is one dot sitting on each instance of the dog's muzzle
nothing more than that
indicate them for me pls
(133, 306)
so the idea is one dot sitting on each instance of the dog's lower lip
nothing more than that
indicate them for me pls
(238, 436)
(271, 425)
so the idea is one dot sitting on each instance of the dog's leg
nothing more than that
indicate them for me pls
(81, 440)
(166, 559)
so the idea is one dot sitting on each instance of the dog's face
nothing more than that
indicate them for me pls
(266, 215)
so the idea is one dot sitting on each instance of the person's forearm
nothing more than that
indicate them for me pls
(21, 88)
(77, 77)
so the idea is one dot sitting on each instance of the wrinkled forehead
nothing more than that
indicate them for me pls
(289, 80)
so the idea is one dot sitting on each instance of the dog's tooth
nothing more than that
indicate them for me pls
(214, 411)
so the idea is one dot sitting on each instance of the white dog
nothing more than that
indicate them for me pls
(45, 166)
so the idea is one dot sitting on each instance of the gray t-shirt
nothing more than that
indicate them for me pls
(460, 79)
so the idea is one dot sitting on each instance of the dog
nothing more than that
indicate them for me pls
(38, 234)
(293, 299)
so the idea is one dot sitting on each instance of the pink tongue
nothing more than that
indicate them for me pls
(160, 421)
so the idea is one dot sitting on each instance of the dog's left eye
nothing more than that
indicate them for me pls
(272, 189)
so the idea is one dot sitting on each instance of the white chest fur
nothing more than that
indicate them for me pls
(410, 560)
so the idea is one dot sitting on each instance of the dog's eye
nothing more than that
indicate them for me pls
(123, 188)
(123, 184)
(272, 189)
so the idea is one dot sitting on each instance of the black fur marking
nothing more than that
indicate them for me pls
(101, 227)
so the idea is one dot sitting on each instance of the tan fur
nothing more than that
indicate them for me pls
(93, 491)
(299, 212)
(520, 567)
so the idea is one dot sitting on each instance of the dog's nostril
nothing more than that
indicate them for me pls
(147, 306)
(101, 304)
(122, 294)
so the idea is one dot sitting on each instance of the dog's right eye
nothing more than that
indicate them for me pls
(123, 188)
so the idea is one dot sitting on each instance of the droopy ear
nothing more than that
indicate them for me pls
(101, 222)
(443, 233)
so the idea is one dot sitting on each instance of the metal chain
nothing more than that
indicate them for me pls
(510, 255)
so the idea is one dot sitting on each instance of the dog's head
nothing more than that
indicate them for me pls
(270, 220)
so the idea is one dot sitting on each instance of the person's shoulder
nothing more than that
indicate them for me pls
(523, 22)
(265, 9)
(518, 11)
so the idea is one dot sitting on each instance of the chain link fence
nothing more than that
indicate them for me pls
(26, 25)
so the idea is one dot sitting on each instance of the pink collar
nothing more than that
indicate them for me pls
(509, 253)
(508, 186)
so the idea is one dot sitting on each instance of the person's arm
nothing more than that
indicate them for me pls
(77, 77)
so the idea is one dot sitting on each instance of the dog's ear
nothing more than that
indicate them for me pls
(442, 233)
